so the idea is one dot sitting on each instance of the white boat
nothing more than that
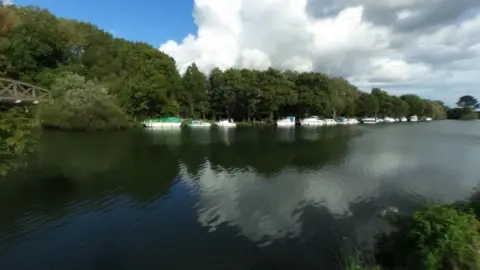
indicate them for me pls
(199, 123)
(226, 123)
(342, 121)
(428, 119)
(286, 122)
(312, 121)
(369, 120)
(388, 120)
(164, 122)
(403, 119)
(413, 118)
(330, 122)
(353, 121)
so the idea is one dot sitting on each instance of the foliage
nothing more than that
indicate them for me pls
(356, 262)
(437, 237)
(194, 94)
(465, 110)
(18, 135)
(82, 105)
(354, 259)
(471, 115)
(467, 102)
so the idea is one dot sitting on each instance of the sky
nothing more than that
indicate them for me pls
(429, 47)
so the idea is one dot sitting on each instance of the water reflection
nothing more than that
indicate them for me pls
(170, 136)
(226, 135)
(257, 198)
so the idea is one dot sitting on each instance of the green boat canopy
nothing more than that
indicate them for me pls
(165, 120)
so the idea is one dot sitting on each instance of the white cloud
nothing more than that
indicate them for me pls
(402, 45)
(7, 2)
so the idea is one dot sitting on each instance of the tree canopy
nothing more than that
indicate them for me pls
(466, 109)
(467, 102)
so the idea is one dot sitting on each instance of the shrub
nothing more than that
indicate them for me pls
(82, 105)
(18, 135)
(355, 261)
(437, 237)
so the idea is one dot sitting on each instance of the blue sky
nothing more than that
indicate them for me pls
(151, 21)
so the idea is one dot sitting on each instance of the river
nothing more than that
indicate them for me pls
(245, 198)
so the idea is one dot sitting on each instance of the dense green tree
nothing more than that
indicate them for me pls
(400, 108)
(310, 87)
(367, 105)
(467, 102)
(82, 105)
(385, 102)
(340, 93)
(277, 91)
(464, 111)
(415, 103)
(18, 135)
(194, 97)
(216, 85)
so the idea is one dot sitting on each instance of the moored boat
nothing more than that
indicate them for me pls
(163, 122)
(353, 121)
(342, 121)
(226, 123)
(403, 119)
(312, 121)
(388, 119)
(369, 120)
(199, 123)
(413, 118)
(330, 122)
(286, 122)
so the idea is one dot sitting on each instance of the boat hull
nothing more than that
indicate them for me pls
(162, 125)
(285, 124)
(201, 125)
(226, 124)
(312, 123)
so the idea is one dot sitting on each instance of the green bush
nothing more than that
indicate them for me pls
(355, 261)
(469, 116)
(18, 136)
(81, 105)
(437, 237)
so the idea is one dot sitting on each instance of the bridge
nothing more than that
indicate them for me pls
(20, 93)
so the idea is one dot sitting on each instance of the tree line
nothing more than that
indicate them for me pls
(129, 81)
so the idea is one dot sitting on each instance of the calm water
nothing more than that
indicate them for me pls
(214, 199)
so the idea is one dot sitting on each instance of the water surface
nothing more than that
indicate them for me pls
(225, 199)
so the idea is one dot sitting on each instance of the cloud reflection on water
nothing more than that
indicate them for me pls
(266, 208)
